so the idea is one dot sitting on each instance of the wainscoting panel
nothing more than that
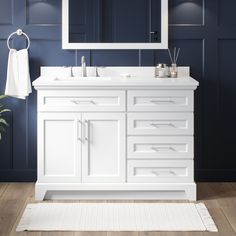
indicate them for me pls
(50, 16)
(186, 13)
(227, 106)
(115, 58)
(204, 29)
(226, 15)
(7, 16)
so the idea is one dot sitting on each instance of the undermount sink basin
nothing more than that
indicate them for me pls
(83, 79)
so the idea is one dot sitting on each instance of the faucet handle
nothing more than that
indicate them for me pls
(96, 72)
(71, 70)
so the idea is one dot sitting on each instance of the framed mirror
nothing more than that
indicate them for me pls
(114, 24)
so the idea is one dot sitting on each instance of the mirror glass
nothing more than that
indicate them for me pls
(115, 21)
(114, 24)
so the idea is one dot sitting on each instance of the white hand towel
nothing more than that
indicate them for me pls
(18, 77)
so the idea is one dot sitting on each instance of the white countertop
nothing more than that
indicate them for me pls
(43, 82)
(138, 77)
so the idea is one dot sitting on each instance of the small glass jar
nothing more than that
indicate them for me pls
(161, 71)
(173, 71)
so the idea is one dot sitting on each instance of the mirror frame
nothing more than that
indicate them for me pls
(67, 45)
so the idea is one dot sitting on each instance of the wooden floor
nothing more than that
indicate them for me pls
(220, 199)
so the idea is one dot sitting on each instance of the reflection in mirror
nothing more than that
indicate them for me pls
(114, 24)
(115, 21)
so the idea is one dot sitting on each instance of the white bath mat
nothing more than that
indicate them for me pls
(116, 217)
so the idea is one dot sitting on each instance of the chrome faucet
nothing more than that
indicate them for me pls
(83, 66)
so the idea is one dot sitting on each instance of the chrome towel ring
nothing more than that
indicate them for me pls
(19, 32)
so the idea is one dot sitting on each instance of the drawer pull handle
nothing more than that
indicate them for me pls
(79, 130)
(161, 172)
(162, 101)
(162, 124)
(83, 101)
(86, 130)
(157, 149)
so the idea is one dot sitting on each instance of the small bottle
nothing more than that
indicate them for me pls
(162, 70)
(173, 71)
(156, 71)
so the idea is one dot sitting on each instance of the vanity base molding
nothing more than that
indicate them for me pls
(127, 191)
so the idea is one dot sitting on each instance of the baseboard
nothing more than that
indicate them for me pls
(200, 175)
(18, 175)
(215, 175)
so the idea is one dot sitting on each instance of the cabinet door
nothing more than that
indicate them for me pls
(103, 150)
(59, 147)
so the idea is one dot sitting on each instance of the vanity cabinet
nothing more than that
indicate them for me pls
(77, 146)
(122, 139)
(81, 147)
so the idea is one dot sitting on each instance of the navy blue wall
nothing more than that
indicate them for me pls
(206, 33)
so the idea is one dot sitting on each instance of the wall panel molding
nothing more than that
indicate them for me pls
(226, 13)
(43, 13)
(7, 16)
(18, 175)
(211, 175)
(194, 13)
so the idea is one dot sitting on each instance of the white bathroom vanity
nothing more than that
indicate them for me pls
(122, 135)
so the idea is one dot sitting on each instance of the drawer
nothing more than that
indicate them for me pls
(160, 123)
(160, 100)
(160, 147)
(89, 100)
(153, 171)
